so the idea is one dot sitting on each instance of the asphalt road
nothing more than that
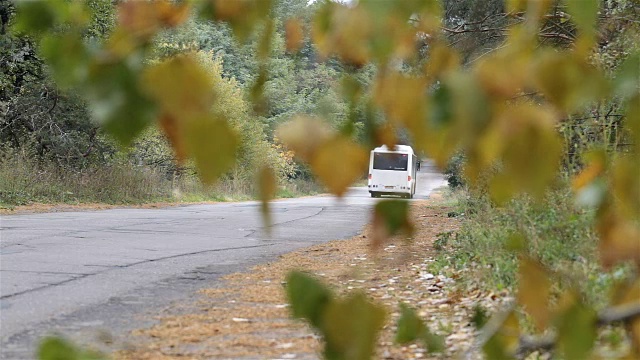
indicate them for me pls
(85, 274)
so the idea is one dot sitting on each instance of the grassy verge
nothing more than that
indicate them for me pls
(554, 231)
(24, 182)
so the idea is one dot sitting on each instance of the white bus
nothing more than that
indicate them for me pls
(392, 172)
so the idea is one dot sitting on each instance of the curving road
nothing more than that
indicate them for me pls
(75, 272)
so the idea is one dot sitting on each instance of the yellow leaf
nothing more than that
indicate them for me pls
(144, 18)
(595, 168)
(267, 187)
(577, 331)
(502, 74)
(516, 5)
(628, 294)
(322, 26)
(212, 144)
(502, 187)
(181, 85)
(532, 149)
(632, 112)
(619, 237)
(338, 163)
(121, 43)
(351, 326)
(568, 81)
(402, 98)
(303, 135)
(351, 34)
(442, 59)
(504, 342)
(172, 131)
(625, 185)
(241, 15)
(533, 291)
(343, 31)
(294, 34)
(386, 134)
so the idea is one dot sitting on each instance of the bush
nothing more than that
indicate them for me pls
(454, 171)
(554, 231)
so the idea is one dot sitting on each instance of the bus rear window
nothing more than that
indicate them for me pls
(390, 161)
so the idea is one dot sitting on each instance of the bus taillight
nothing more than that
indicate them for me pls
(369, 176)
(409, 178)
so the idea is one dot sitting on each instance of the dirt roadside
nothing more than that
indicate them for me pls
(247, 316)
(38, 208)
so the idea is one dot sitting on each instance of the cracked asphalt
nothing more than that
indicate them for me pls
(93, 275)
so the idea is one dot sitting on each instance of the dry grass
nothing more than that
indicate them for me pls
(29, 186)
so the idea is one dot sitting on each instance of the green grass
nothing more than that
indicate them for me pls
(555, 232)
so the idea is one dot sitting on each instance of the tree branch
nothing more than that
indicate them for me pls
(527, 344)
(622, 313)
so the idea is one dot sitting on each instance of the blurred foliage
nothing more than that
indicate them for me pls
(349, 325)
(54, 348)
(412, 328)
(528, 92)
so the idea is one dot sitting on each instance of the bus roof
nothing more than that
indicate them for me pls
(399, 148)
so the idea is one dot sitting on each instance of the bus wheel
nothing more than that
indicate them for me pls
(374, 195)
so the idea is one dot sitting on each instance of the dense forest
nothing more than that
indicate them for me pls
(52, 150)
(532, 107)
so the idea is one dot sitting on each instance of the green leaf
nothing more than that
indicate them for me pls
(35, 17)
(410, 326)
(68, 58)
(627, 78)
(351, 328)
(516, 243)
(256, 92)
(577, 332)
(434, 343)
(395, 214)
(56, 348)
(39, 16)
(116, 100)
(441, 111)
(480, 316)
(212, 144)
(264, 45)
(585, 14)
(308, 297)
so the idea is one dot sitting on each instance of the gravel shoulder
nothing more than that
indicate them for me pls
(246, 316)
